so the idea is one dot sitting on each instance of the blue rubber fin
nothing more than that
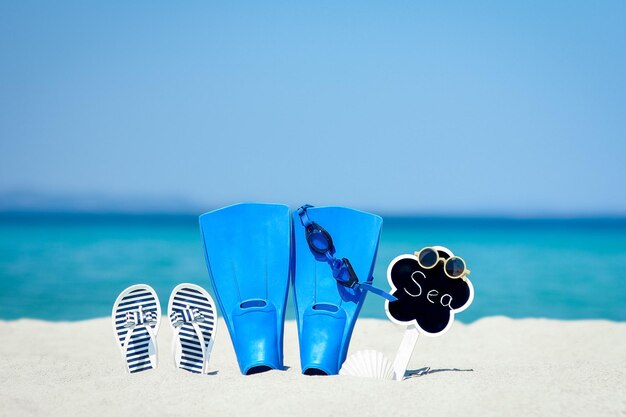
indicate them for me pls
(326, 310)
(247, 250)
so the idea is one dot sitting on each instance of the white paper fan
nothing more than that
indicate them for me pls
(368, 364)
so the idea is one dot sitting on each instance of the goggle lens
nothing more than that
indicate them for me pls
(455, 267)
(319, 242)
(428, 258)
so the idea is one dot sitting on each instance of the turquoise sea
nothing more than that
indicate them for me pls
(72, 266)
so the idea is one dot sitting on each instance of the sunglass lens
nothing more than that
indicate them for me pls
(428, 258)
(455, 267)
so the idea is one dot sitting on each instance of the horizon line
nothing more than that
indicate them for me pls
(475, 215)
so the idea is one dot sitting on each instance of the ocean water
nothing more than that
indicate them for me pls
(72, 267)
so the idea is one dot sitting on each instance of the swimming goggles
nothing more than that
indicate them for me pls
(320, 242)
(454, 267)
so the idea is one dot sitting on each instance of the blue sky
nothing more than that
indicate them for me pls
(402, 107)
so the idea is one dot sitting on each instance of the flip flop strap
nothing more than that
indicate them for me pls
(179, 317)
(140, 318)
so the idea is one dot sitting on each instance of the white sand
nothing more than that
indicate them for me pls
(518, 368)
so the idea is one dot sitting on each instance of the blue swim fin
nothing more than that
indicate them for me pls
(326, 309)
(247, 250)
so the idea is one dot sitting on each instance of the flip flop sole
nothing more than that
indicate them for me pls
(137, 343)
(193, 341)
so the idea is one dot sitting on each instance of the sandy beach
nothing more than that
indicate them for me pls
(493, 367)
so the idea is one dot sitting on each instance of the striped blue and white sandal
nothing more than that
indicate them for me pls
(193, 319)
(136, 320)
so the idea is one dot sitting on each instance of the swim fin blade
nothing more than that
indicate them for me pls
(326, 310)
(247, 251)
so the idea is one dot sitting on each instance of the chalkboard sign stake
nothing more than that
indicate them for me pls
(409, 340)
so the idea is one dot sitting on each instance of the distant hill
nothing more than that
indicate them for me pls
(47, 202)
(32, 201)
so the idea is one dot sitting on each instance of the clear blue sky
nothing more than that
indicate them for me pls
(407, 107)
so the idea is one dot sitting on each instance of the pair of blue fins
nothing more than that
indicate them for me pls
(254, 250)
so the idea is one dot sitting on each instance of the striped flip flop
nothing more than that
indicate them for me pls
(193, 319)
(136, 319)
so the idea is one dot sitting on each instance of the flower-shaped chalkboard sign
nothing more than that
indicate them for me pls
(427, 297)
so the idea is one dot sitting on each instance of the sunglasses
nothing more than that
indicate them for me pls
(454, 267)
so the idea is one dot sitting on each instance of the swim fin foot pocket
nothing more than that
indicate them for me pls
(321, 337)
(256, 336)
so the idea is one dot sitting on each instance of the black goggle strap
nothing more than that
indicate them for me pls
(341, 268)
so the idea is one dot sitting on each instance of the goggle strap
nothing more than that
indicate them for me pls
(304, 217)
(369, 287)
(355, 283)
